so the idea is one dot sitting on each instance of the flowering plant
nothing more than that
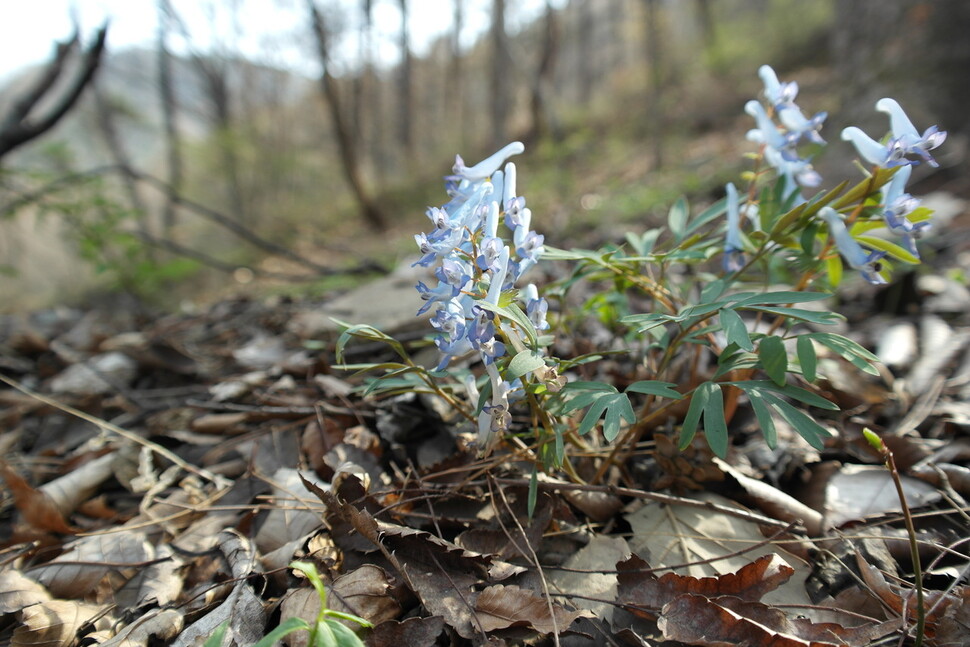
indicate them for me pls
(703, 333)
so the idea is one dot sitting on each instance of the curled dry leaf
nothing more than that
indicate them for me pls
(728, 621)
(501, 607)
(36, 507)
(53, 623)
(647, 593)
(73, 489)
(18, 591)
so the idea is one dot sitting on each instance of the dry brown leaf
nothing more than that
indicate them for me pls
(18, 591)
(54, 623)
(501, 607)
(859, 491)
(36, 507)
(73, 489)
(160, 624)
(296, 512)
(729, 621)
(88, 561)
(648, 593)
(773, 501)
(941, 604)
(600, 554)
(413, 632)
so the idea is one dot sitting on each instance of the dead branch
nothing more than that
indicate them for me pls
(20, 125)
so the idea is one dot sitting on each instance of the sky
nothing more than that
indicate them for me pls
(271, 30)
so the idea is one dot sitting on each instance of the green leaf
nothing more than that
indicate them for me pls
(525, 361)
(655, 388)
(764, 418)
(715, 426)
(794, 392)
(285, 628)
(833, 267)
(735, 329)
(620, 407)
(215, 640)
(593, 414)
(847, 349)
(774, 359)
(890, 248)
(780, 298)
(697, 402)
(807, 357)
(533, 490)
(800, 314)
(323, 635)
(709, 214)
(807, 428)
(677, 218)
(344, 635)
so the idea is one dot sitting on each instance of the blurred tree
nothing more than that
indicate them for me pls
(42, 105)
(501, 68)
(405, 80)
(455, 97)
(349, 153)
(166, 91)
(544, 119)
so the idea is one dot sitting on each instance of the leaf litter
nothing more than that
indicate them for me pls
(155, 500)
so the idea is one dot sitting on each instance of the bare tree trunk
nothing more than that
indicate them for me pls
(585, 30)
(404, 79)
(106, 113)
(543, 115)
(215, 75)
(654, 49)
(501, 68)
(455, 100)
(173, 140)
(349, 155)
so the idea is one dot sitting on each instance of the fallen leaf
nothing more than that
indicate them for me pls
(53, 623)
(729, 621)
(160, 624)
(413, 632)
(601, 554)
(18, 591)
(501, 607)
(88, 561)
(36, 507)
(859, 491)
(648, 593)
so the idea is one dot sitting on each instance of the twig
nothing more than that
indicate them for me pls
(215, 479)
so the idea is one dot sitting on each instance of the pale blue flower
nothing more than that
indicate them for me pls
(905, 133)
(799, 125)
(866, 262)
(897, 204)
(536, 307)
(484, 169)
(733, 247)
(777, 93)
(872, 151)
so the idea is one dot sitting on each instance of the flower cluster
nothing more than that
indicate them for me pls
(475, 266)
(782, 127)
(782, 138)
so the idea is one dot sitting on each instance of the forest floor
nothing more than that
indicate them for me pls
(162, 472)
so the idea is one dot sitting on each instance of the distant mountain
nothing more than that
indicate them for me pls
(128, 79)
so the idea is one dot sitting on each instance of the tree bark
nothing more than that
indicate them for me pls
(22, 123)
(173, 139)
(501, 68)
(543, 115)
(405, 78)
(372, 213)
